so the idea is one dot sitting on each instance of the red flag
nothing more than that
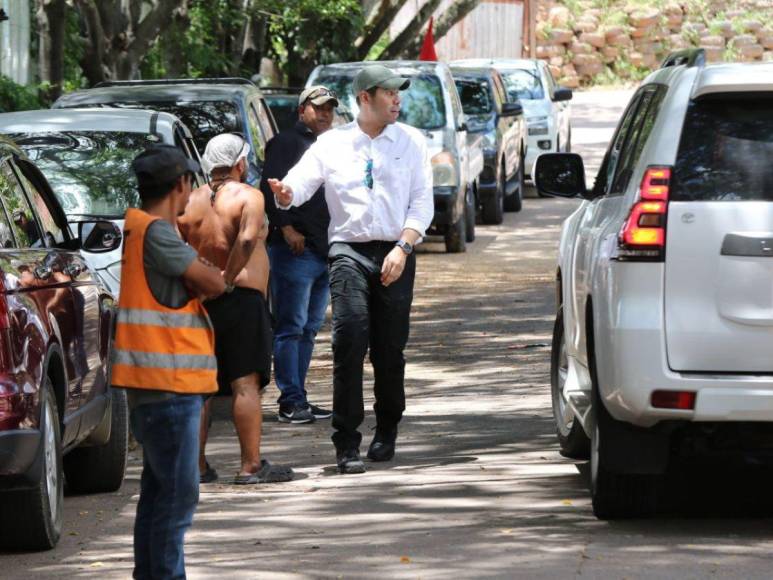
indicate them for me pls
(428, 48)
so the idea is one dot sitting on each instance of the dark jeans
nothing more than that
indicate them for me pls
(367, 313)
(300, 292)
(169, 486)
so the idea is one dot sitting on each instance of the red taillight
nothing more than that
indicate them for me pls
(682, 400)
(644, 233)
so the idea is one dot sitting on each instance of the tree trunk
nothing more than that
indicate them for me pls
(376, 24)
(118, 37)
(51, 18)
(456, 12)
(411, 32)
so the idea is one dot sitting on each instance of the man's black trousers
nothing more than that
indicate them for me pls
(367, 314)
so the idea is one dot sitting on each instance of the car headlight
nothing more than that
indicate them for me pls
(537, 125)
(443, 169)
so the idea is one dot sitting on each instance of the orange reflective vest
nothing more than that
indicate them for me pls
(156, 347)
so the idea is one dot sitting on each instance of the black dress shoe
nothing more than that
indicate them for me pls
(349, 461)
(382, 448)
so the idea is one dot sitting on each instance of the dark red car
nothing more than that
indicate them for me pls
(58, 415)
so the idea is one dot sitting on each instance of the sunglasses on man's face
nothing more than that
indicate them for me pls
(368, 181)
(322, 93)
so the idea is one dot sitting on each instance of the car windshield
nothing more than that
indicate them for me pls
(726, 150)
(284, 108)
(89, 172)
(475, 96)
(523, 84)
(422, 104)
(205, 119)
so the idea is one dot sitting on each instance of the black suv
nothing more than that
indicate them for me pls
(489, 113)
(207, 106)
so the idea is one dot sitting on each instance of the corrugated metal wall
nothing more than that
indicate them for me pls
(494, 29)
(15, 41)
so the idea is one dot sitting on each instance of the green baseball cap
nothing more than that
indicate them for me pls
(377, 75)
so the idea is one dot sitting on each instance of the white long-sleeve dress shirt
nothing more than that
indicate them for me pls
(344, 159)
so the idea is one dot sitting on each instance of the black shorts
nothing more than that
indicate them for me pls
(243, 336)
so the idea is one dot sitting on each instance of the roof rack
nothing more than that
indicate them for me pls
(206, 81)
(690, 57)
(277, 89)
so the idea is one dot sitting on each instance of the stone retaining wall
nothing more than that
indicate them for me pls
(586, 44)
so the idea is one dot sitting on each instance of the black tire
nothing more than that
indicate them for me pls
(101, 468)
(469, 216)
(571, 436)
(455, 237)
(514, 202)
(494, 208)
(32, 518)
(616, 495)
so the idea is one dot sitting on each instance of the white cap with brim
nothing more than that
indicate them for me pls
(317, 95)
(224, 150)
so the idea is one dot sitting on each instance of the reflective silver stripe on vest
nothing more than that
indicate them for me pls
(156, 318)
(156, 360)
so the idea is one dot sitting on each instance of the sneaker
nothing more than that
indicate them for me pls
(295, 415)
(319, 412)
(349, 461)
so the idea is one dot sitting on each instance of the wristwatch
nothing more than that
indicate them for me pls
(229, 288)
(405, 247)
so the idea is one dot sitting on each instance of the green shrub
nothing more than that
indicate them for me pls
(14, 97)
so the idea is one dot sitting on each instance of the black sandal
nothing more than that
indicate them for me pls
(267, 473)
(208, 475)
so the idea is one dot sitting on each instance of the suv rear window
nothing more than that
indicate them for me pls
(205, 119)
(726, 151)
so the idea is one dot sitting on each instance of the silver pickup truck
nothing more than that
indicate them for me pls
(432, 105)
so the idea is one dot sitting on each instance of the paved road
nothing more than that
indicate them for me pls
(477, 488)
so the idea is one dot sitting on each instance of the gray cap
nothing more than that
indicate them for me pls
(377, 75)
(318, 95)
(224, 150)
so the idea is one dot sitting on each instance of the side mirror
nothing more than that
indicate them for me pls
(560, 175)
(99, 237)
(510, 109)
(562, 94)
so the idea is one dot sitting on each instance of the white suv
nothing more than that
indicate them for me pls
(663, 342)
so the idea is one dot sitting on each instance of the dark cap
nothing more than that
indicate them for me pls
(377, 75)
(161, 165)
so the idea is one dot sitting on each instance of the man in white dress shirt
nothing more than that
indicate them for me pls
(378, 188)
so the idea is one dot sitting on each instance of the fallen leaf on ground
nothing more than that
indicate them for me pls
(405, 560)
(566, 501)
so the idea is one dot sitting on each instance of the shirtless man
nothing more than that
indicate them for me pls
(225, 223)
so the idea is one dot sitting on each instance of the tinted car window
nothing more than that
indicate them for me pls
(641, 128)
(726, 151)
(23, 223)
(205, 119)
(285, 110)
(422, 106)
(89, 172)
(52, 230)
(257, 137)
(6, 237)
(475, 96)
(523, 84)
(612, 156)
